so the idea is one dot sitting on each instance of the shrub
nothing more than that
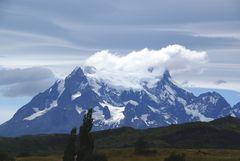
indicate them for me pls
(175, 157)
(141, 147)
(96, 157)
(4, 156)
(23, 154)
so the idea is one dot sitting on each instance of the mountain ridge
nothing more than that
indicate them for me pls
(62, 106)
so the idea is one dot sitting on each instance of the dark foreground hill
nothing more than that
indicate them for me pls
(221, 133)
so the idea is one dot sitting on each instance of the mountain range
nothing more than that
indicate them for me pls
(162, 103)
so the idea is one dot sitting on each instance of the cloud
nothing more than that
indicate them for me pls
(185, 83)
(12, 76)
(25, 82)
(30, 88)
(144, 65)
(220, 82)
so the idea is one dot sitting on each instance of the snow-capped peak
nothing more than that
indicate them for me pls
(76, 72)
(128, 99)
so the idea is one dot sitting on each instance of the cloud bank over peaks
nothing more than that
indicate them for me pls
(130, 70)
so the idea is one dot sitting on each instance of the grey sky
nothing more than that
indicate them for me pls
(59, 35)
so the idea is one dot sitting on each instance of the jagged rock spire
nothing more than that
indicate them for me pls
(77, 71)
(166, 74)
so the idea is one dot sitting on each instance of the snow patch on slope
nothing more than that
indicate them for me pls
(79, 109)
(41, 112)
(194, 112)
(76, 95)
(53, 104)
(153, 109)
(61, 87)
(116, 113)
(170, 90)
(134, 103)
(98, 114)
(144, 117)
(213, 100)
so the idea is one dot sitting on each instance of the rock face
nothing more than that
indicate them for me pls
(236, 110)
(62, 106)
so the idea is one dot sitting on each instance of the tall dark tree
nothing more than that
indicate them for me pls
(86, 142)
(70, 151)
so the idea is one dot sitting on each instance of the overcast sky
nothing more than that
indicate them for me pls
(41, 41)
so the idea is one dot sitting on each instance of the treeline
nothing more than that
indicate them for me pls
(195, 135)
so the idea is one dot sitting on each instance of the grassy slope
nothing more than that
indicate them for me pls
(222, 133)
(34, 144)
(128, 155)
